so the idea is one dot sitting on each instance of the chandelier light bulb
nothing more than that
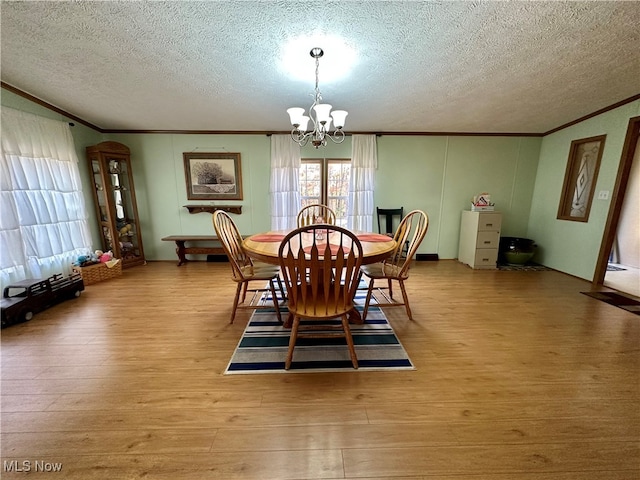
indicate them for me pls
(295, 115)
(323, 112)
(304, 121)
(339, 116)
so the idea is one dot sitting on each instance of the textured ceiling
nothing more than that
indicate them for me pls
(461, 66)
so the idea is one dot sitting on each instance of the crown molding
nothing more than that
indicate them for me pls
(53, 108)
(593, 114)
(42, 103)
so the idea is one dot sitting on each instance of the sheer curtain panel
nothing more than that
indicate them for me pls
(43, 221)
(285, 182)
(364, 161)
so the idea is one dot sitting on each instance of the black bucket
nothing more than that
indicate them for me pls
(516, 250)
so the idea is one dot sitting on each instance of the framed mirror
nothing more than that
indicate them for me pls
(580, 178)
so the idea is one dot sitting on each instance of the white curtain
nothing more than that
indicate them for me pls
(285, 189)
(43, 221)
(364, 162)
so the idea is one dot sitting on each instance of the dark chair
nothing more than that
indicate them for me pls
(311, 259)
(388, 221)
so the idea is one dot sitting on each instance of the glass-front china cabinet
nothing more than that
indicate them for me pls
(115, 200)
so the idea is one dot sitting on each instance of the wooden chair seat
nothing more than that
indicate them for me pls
(258, 272)
(382, 270)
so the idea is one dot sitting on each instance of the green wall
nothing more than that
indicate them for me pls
(438, 174)
(161, 192)
(435, 174)
(441, 174)
(568, 246)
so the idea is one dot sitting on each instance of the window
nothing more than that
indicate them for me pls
(326, 181)
(44, 225)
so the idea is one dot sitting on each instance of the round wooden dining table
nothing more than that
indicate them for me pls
(264, 247)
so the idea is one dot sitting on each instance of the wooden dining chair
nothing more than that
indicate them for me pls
(411, 231)
(312, 258)
(244, 272)
(315, 213)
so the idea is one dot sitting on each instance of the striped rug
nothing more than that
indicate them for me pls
(264, 343)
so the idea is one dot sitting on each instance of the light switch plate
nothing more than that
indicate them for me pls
(603, 195)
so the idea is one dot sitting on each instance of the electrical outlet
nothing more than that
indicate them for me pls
(603, 195)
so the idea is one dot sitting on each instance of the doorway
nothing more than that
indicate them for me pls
(618, 265)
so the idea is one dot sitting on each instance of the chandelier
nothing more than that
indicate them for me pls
(320, 115)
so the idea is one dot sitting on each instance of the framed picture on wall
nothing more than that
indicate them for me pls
(213, 176)
(580, 178)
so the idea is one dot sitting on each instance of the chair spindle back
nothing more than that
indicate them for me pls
(411, 231)
(320, 266)
(231, 242)
(316, 213)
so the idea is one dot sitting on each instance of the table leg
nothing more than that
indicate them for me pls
(289, 321)
(180, 250)
(355, 317)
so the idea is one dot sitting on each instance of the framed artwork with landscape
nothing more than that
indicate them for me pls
(580, 178)
(213, 176)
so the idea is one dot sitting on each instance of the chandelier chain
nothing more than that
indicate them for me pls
(317, 78)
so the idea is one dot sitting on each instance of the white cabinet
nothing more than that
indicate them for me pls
(479, 239)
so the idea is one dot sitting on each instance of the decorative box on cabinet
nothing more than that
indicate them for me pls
(479, 239)
(115, 200)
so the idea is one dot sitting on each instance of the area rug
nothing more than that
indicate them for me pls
(619, 300)
(614, 268)
(264, 344)
(529, 267)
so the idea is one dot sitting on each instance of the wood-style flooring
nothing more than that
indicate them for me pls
(519, 376)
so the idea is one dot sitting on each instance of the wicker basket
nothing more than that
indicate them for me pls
(99, 272)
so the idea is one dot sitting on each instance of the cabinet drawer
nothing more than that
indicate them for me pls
(486, 258)
(489, 221)
(488, 239)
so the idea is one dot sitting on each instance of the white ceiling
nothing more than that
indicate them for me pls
(455, 66)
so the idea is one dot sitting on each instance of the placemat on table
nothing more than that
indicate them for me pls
(268, 237)
(374, 237)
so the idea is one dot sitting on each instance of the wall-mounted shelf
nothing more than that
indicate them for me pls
(237, 209)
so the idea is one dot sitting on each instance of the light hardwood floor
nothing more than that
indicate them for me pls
(518, 376)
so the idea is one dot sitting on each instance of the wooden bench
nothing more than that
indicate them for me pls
(182, 250)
